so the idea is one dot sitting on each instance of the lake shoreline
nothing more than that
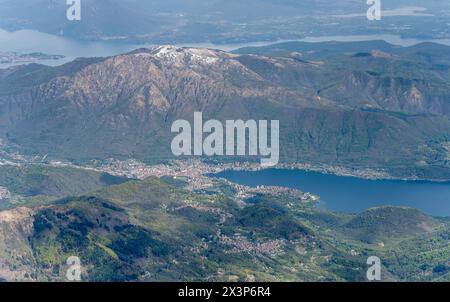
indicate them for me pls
(335, 189)
(363, 173)
(349, 194)
(29, 41)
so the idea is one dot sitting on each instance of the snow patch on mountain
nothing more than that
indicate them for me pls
(179, 55)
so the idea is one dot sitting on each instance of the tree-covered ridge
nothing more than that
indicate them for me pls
(150, 230)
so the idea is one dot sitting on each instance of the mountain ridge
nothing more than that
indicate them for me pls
(328, 114)
(148, 230)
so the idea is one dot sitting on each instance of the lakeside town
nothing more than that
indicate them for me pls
(193, 167)
(198, 175)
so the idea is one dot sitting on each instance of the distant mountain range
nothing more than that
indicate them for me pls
(366, 104)
(222, 21)
(357, 105)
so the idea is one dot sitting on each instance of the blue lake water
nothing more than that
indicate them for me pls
(345, 194)
(29, 41)
(351, 194)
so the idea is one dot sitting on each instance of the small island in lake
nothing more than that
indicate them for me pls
(15, 57)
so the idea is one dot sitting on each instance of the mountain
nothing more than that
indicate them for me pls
(148, 233)
(150, 230)
(221, 21)
(390, 222)
(108, 18)
(338, 111)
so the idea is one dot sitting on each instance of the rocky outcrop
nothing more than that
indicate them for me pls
(16, 256)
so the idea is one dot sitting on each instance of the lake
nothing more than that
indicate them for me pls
(29, 41)
(337, 193)
(351, 194)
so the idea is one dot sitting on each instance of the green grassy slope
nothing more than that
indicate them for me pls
(32, 184)
(150, 230)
